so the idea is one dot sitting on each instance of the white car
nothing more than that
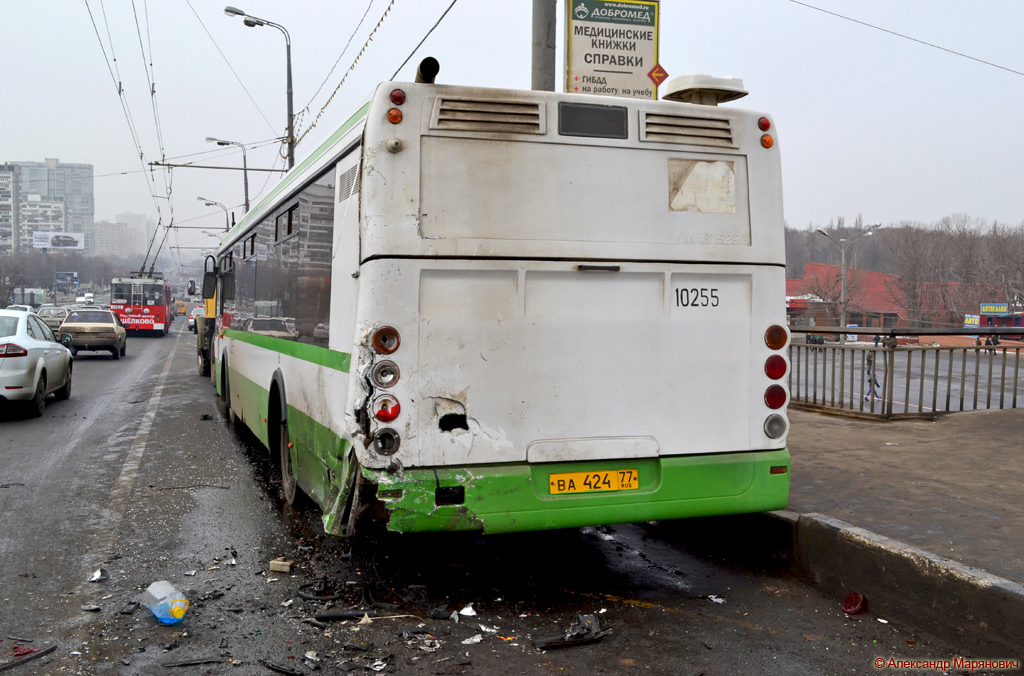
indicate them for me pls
(33, 364)
(197, 312)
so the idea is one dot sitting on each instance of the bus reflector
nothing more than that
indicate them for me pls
(386, 340)
(775, 337)
(384, 373)
(386, 408)
(779, 469)
(764, 124)
(775, 367)
(767, 141)
(398, 98)
(775, 396)
(394, 116)
(774, 426)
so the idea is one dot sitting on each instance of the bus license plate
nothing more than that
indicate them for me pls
(584, 482)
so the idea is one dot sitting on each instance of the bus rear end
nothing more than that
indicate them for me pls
(142, 303)
(571, 311)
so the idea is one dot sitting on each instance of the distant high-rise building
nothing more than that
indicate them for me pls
(117, 239)
(70, 183)
(143, 223)
(39, 214)
(8, 208)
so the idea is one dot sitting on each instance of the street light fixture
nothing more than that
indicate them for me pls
(842, 243)
(245, 166)
(211, 203)
(252, 22)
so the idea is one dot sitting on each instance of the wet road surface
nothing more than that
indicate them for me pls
(139, 473)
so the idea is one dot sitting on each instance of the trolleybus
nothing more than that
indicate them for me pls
(506, 310)
(143, 304)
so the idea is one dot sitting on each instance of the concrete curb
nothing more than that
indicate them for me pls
(977, 612)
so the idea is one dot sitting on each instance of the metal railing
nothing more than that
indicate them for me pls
(904, 381)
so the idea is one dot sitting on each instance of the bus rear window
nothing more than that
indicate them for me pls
(587, 119)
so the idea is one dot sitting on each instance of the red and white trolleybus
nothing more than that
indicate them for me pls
(142, 303)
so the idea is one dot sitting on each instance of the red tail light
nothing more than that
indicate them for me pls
(764, 124)
(775, 337)
(398, 98)
(12, 350)
(775, 396)
(386, 408)
(775, 367)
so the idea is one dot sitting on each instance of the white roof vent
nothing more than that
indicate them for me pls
(704, 89)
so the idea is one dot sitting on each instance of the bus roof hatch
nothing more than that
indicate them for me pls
(704, 89)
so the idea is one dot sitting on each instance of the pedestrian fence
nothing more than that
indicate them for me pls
(904, 381)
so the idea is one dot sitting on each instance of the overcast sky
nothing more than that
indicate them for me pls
(868, 122)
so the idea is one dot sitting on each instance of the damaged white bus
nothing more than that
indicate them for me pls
(496, 310)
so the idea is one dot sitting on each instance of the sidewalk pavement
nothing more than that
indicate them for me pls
(951, 486)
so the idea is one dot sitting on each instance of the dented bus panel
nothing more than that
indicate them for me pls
(536, 320)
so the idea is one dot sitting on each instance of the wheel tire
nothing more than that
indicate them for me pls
(74, 351)
(203, 362)
(38, 403)
(124, 348)
(289, 487)
(116, 352)
(64, 393)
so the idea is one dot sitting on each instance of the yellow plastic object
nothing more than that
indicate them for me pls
(178, 608)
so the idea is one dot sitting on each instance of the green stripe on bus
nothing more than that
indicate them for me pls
(294, 173)
(321, 356)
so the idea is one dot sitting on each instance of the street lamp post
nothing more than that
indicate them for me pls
(842, 243)
(211, 203)
(251, 22)
(245, 166)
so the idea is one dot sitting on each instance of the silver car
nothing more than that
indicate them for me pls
(33, 364)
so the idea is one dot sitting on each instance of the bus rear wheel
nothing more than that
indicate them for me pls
(289, 487)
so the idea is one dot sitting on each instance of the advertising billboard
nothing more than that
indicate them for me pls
(58, 240)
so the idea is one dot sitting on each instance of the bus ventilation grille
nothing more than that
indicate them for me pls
(348, 183)
(688, 129)
(489, 115)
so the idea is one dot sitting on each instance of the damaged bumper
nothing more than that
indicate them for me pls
(516, 497)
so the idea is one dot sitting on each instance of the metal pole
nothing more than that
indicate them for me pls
(291, 116)
(842, 292)
(544, 21)
(245, 176)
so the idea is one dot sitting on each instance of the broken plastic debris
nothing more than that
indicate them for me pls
(468, 611)
(475, 638)
(92, 609)
(715, 599)
(288, 603)
(489, 630)
(455, 616)
(190, 573)
(278, 668)
(281, 565)
(100, 575)
(883, 621)
(584, 629)
(378, 665)
(366, 619)
(312, 656)
(855, 604)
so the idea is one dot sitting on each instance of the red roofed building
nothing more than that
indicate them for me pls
(872, 298)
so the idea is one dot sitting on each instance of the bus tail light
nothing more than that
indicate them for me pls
(764, 124)
(767, 141)
(386, 340)
(398, 98)
(775, 396)
(12, 350)
(774, 426)
(778, 469)
(385, 373)
(386, 441)
(386, 408)
(775, 337)
(394, 116)
(775, 366)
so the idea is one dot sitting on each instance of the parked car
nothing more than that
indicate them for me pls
(94, 329)
(196, 313)
(53, 316)
(33, 364)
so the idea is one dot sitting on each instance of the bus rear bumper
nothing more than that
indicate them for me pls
(508, 498)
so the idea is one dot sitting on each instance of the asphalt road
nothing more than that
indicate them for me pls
(139, 474)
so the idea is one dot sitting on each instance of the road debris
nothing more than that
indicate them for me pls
(28, 656)
(193, 663)
(92, 608)
(583, 629)
(350, 614)
(20, 640)
(319, 591)
(130, 608)
(468, 611)
(281, 565)
(475, 638)
(100, 575)
(715, 599)
(279, 669)
(855, 603)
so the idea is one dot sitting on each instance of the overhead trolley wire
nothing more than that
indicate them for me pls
(907, 37)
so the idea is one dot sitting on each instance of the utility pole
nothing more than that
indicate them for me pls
(543, 45)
